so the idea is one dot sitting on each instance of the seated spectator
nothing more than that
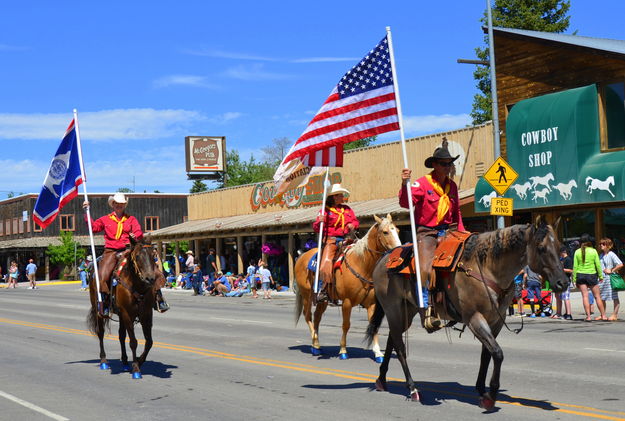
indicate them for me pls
(242, 288)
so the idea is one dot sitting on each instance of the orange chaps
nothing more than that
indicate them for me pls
(326, 272)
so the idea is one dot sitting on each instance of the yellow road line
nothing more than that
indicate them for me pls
(515, 400)
(49, 283)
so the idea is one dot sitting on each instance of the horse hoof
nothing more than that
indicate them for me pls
(137, 375)
(104, 366)
(315, 351)
(414, 396)
(380, 386)
(343, 356)
(126, 367)
(379, 360)
(487, 403)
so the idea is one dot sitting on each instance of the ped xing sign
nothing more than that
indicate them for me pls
(500, 176)
(501, 206)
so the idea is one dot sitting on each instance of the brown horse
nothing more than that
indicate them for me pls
(134, 300)
(478, 297)
(353, 282)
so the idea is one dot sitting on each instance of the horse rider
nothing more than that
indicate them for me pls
(118, 227)
(436, 203)
(339, 221)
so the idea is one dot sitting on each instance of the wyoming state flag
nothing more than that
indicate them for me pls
(62, 180)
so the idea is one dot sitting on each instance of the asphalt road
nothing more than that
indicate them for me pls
(239, 358)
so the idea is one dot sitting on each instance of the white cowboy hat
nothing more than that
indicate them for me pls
(89, 258)
(117, 198)
(189, 252)
(337, 189)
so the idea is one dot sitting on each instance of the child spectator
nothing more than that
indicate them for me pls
(533, 285)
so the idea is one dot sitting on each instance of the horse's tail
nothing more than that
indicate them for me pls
(92, 321)
(299, 305)
(374, 323)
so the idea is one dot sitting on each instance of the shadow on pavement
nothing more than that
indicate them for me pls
(149, 368)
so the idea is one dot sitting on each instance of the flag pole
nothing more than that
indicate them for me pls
(320, 243)
(413, 229)
(84, 188)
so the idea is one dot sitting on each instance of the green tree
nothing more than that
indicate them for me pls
(534, 15)
(367, 141)
(125, 190)
(241, 172)
(198, 186)
(66, 253)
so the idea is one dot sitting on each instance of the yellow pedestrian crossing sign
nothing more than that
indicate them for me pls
(500, 175)
(502, 206)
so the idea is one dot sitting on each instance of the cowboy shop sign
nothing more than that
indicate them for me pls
(264, 194)
(553, 142)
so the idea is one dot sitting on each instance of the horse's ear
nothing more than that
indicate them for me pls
(555, 224)
(540, 220)
(389, 217)
(133, 240)
(377, 219)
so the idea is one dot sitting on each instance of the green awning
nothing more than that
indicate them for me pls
(553, 142)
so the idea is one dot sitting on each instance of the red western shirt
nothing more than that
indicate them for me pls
(425, 201)
(110, 227)
(335, 224)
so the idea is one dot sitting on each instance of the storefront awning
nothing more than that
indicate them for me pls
(553, 143)
(280, 221)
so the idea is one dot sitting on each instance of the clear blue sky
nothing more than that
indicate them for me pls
(145, 74)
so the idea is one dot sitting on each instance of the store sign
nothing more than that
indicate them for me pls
(264, 194)
(553, 142)
(501, 206)
(205, 154)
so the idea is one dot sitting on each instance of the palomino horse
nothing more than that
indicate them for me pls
(134, 299)
(478, 296)
(353, 282)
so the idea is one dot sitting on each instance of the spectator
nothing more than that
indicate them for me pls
(222, 284)
(563, 299)
(190, 262)
(13, 273)
(586, 272)
(533, 282)
(241, 288)
(251, 278)
(610, 263)
(31, 272)
(211, 266)
(196, 280)
(83, 271)
(518, 294)
(265, 279)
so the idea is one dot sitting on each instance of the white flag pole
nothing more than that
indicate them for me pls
(320, 243)
(413, 229)
(84, 188)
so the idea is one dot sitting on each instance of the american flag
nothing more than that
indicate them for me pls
(361, 105)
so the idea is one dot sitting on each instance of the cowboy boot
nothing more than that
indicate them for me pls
(325, 268)
(160, 304)
(431, 322)
(103, 306)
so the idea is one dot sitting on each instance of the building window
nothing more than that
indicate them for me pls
(7, 226)
(36, 227)
(16, 225)
(613, 118)
(20, 225)
(67, 222)
(151, 223)
(1, 229)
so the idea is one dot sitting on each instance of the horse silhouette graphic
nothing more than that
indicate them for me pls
(542, 194)
(596, 184)
(565, 189)
(543, 181)
(521, 189)
(486, 199)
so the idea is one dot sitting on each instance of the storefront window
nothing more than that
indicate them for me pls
(574, 224)
(614, 220)
(614, 95)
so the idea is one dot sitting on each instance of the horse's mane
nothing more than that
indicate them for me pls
(360, 246)
(494, 244)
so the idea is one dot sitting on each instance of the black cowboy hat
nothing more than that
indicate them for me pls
(440, 153)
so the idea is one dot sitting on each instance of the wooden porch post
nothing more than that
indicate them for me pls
(240, 263)
(290, 257)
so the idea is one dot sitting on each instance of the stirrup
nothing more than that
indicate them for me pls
(160, 304)
(322, 296)
(103, 310)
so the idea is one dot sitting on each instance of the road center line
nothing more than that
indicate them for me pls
(33, 407)
(240, 320)
(578, 409)
(603, 349)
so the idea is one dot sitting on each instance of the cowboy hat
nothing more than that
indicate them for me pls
(117, 198)
(440, 153)
(89, 258)
(189, 252)
(337, 189)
